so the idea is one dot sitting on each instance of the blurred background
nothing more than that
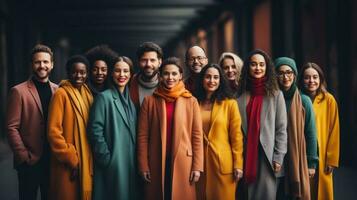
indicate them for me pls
(321, 31)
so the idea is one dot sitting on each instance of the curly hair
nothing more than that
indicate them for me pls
(223, 91)
(76, 59)
(101, 52)
(323, 85)
(271, 84)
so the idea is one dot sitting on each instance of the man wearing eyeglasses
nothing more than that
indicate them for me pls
(196, 60)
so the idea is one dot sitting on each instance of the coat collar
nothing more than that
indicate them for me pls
(215, 110)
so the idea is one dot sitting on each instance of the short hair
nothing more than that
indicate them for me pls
(190, 47)
(238, 62)
(271, 84)
(76, 59)
(171, 61)
(323, 85)
(41, 48)
(101, 52)
(223, 91)
(147, 47)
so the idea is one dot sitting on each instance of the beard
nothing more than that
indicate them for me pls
(41, 74)
(149, 76)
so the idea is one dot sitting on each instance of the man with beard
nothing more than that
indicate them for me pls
(100, 57)
(26, 125)
(146, 80)
(196, 60)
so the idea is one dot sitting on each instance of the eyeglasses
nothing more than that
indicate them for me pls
(199, 58)
(288, 74)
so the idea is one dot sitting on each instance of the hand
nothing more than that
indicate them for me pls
(238, 174)
(74, 174)
(329, 169)
(146, 176)
(276, 167)
(312, 172)
(195, 176)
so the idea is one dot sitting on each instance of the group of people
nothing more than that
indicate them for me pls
(252, 129)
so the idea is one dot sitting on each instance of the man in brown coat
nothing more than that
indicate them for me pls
(26, 125)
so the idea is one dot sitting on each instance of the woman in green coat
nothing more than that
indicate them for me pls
(112, 134)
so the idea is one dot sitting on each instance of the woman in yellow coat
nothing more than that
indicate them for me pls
(328, 129)
(222, 135)
(71, 158)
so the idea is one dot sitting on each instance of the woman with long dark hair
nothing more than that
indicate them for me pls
(222, 133)
(312, 82)
(264, 122)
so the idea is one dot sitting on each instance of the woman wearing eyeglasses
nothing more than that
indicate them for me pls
(301, 160)
(264, 122)
(312, 82)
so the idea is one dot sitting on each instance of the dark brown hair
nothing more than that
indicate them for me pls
(41, 48)
(147, 47)
(171, 61)
(271, 84)
(323, 85)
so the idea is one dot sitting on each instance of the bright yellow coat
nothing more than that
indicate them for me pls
(223, 149)
(328, 138)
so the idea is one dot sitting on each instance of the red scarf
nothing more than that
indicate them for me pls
(254, 108)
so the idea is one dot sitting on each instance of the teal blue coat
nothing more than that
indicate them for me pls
(112, 135)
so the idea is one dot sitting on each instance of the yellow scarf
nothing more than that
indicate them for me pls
(81, 101)
(170, 95)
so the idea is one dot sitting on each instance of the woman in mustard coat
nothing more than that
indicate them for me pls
(170, 143)
(313, 83)
(71, 158)
(223, 138)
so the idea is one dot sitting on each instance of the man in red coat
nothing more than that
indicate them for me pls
(26, 125)
(146, 80)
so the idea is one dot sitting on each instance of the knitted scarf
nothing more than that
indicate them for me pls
(81, 101)
(254, 108)
(297, 176)
(170, 95)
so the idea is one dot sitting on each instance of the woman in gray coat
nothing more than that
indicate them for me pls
(264, 123)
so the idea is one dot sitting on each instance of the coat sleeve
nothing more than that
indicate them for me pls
(13, 121)
(280, 146)
(95, 132)
(143, 137)
(197, 138)
(333, 145)
(62, 151)
(310, 133)
(236, 135)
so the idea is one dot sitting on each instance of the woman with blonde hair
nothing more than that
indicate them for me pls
(232, 65)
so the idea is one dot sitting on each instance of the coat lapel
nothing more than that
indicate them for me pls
(120, 107)
(215, 110)
(177, 125)
(34, 93)
(263, 112)
(243, 112)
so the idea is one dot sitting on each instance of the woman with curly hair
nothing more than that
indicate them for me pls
(264, 122)
(232, 65)
(312, 81)
(222, 134)
(100, 58)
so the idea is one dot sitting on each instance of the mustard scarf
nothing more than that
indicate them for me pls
(170, 95)
(81, 101)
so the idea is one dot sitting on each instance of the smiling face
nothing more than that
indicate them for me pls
(42, 66)
(211, 81)
(230, 69)
(286, 77)
(171, 76)
(149, 64)
(78, 74)
(311, 80)
(196, 59)
(99, 72)
(121, 75)
(257, 66)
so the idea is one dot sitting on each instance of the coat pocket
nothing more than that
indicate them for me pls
(189, 152)
(226, 162)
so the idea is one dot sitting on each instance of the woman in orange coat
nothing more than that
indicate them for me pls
(170, 143)
(71, 157)
(222, 135)
(312, 82)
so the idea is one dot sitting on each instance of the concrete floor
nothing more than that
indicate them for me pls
(344, 178)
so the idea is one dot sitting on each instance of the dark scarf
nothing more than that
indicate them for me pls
(288, 95)
(254, 108)
(126, 102)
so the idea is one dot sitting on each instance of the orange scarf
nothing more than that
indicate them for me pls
(170, 95)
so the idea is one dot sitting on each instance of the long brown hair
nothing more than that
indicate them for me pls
(271, 84)
(323, 85)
